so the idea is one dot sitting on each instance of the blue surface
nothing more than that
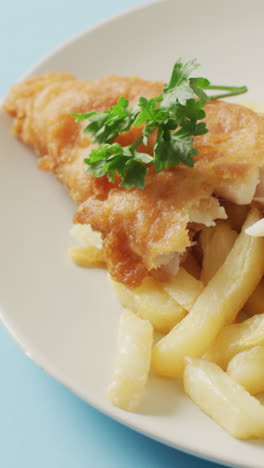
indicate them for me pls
(42, 424)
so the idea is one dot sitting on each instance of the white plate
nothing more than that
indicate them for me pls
(64, 317)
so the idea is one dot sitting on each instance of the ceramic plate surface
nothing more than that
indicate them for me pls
(64, 317)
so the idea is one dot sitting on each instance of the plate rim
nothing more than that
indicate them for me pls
(114, 413)
(89, 29)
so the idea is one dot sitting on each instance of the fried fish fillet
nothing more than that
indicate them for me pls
(143, 230)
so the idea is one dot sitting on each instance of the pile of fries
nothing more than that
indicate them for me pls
(211, 316)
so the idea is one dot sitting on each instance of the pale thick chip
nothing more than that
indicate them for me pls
(86, 236)
(184, 289)
(216, 243)
(90, 257)
(236, 338)
(217, 305)
(256, 229)
(247, 368)
(132, 362)
(223, 399)
(150, 302)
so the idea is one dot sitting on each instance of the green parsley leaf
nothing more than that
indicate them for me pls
(176, 115)
(134, 175)
(198, 85)
(80, 117)
(169, 153)
(105, 126)
(125, 161)
(181, 73)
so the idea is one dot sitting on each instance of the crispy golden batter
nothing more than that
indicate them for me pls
(141, 229)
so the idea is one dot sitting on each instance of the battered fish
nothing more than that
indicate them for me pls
(144, 231)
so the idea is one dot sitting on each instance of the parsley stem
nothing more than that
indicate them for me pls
(134, 145)
(232, 91)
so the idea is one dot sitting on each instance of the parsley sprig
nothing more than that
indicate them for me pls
(175, 115)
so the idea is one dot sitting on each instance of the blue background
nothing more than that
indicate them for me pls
(42, 424)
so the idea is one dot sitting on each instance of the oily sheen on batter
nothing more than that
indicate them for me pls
(144, 231)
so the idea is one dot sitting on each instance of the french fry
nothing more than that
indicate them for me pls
(235, 338)
(223, 399)
(90, 257)
(86, 236)
(257, 229)
(217, 305)
(132, 363)
(184, 289)
(216, 243)
(255, 304)
(150, 302)
(247, 368)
